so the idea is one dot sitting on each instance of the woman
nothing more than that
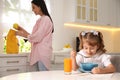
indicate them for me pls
(41, 37)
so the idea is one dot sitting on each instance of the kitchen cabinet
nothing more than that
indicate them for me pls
(60, 55)
(107, 12)
(101, 12)
(13, 63)
(118, 12)
(86, 11)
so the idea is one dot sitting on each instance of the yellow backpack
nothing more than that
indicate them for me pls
(12, 44)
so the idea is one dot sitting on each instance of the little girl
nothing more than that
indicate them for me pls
(92, 50)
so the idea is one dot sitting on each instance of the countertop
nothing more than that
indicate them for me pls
(17, 54)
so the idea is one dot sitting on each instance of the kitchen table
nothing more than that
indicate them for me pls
(56, 75)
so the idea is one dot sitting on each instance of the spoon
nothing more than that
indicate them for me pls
(85, 56)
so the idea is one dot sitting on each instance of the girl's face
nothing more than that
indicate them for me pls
(36, 9)
(90, 50)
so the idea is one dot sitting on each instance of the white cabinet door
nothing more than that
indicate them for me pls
(113, 12)
(118, 12)
(103, 12)
(86, 11)
(12, 70)
(13, 61)
(60, 55)
(107, 12)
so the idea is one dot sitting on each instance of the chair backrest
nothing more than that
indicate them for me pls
(116, 61)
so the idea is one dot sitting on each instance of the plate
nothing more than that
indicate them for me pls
(85, 71)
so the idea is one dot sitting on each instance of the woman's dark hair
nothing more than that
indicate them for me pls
(42, 5)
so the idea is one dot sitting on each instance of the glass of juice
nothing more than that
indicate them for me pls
(67, 65)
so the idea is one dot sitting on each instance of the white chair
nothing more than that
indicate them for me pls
(116, 61)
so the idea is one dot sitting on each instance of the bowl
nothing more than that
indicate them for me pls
(87, 66)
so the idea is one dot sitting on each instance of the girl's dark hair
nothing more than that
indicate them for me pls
(92, 39)
(42, 5)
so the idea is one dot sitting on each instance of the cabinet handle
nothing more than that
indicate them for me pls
(59, 55)
(109, 24)
(88, 21)
(12, 62)
(12, 70)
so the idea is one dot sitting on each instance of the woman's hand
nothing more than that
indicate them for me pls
(22, 33)
(19, 33)
(20, 28)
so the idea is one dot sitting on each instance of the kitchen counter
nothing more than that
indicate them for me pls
(19, 54)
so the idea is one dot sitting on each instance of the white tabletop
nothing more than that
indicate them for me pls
(56, 75)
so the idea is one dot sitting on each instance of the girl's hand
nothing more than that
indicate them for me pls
(73, 54)
(96, 70)
(73, 58)
(109, 69)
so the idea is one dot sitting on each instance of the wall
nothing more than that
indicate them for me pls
(61, 12)
(1, 30)
(116, 41)
(118, 12)
(57, 16)
(1, 40)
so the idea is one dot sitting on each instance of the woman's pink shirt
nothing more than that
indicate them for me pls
(41, 40)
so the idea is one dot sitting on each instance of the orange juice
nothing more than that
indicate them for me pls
(67, 65)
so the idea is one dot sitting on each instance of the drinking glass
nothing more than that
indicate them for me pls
(67, 65)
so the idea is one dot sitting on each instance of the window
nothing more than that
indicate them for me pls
(17, 11)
